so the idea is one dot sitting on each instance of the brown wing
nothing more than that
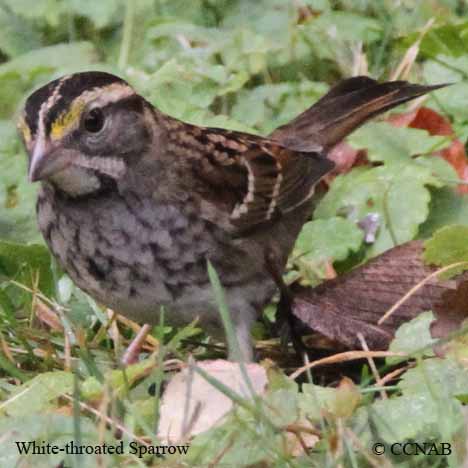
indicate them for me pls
(278, 180)
(246, 179)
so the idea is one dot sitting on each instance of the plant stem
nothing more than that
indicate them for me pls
(127, 34)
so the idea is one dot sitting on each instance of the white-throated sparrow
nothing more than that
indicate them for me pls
(133, 202)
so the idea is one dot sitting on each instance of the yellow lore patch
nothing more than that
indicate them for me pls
(66, 120)
(24, 129)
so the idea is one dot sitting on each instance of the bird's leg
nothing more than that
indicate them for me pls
(284, 315)
(244, 341)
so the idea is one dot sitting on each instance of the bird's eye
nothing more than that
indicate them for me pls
(94, 120)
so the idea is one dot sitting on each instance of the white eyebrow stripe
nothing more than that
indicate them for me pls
(53, 98)
(96, 97)
(108, 94)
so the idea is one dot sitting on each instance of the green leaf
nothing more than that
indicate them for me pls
(329, 239)
(345, 26)
(119, 380)
(452, 100)
(315, 400)
(45, 11)
(411, 20)
(329, 35)
(282, 407)
(405, 342)
(268, 106)
(237, 440)
(55, 429)
(197, 90)
(416, 417)
(102, 13)
(39, 393)
(247, 51)
(439, 167)
(23, 262)
(269, 19)
(446, 39)
(73, 54)
(197, 11)
(398, 192)
(17, 195)
(11, 370)
(16, 35)
(447, 207)
(444, 377)
(171, 27)
(389, 144)
(12, 89)
(448, 246)
(427, 402)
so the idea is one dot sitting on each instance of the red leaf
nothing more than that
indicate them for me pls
(424, 119)
(345, 158)
(402, 120)
(455, 155)
(431, 121)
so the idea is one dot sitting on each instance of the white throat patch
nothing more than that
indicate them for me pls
(76, 181)
(113, 167)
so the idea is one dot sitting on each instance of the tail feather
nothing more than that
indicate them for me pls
(344, 108)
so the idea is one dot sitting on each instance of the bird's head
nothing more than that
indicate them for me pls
(81, 131)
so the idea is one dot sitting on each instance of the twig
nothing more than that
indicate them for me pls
(409, 58)
(392, 375)
(6, 350)
(136, 328)
(133, 349)
(416, 288)
(344, 357)
(67, 360)
(108, 419)
(220, 455)
(372, 366)
(297, 430)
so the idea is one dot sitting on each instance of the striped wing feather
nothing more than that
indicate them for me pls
(265, 180)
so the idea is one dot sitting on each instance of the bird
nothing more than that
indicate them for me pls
(133, 202)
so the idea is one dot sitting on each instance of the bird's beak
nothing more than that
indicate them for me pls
(46, 161)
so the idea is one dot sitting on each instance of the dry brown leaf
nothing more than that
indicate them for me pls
(354, 302)
(191, 405)
(47, 315)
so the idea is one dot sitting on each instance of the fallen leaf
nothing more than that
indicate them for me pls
(345, 157)
(455, 154)
(48, 316)
(403, 119)
(450, 313)
(191, 404)
(348, 398)
(354, 302)
(300, 438)
(423, 118)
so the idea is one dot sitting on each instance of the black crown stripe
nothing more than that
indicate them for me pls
(69, 91)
